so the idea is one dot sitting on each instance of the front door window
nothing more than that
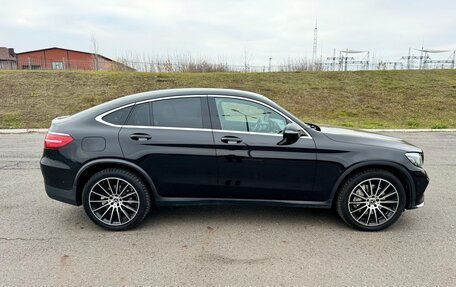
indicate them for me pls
(246, 116)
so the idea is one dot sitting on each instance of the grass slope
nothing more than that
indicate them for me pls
(365, 99)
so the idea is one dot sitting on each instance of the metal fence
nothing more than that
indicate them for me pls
(206, 66)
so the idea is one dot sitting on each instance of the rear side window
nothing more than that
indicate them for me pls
(182, 113)
(140, 116)
(118, 117)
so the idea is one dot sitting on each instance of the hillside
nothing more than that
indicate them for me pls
(367, 99)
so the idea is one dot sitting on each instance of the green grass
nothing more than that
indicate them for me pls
(365, 99)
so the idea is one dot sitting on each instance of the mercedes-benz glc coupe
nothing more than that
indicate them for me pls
(217, 146)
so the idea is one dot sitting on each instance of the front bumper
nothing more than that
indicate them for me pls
(420, 182)
(420, 205)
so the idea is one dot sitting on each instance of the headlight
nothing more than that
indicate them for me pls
(416, 158)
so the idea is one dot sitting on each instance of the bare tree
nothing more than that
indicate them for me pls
(95, 50)
(296, 65)
(247, 58)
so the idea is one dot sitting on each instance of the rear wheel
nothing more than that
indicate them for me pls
(116, 199)
(371, 200)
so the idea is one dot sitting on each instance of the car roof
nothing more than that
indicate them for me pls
(188, 91)
(126, 100)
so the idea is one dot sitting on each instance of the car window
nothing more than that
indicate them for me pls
(247, 116)
(140, 116)
(118, 117)
(182, 112)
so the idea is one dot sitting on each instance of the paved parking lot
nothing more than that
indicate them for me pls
(44, 242)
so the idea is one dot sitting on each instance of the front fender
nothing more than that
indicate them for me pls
(391, 166)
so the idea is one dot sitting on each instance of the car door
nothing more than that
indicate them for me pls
(251, 163)
(171, 140)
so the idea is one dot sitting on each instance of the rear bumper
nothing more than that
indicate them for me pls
(58, 174)
(63, 195)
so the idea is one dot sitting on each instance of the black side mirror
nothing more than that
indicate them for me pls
(291, 134)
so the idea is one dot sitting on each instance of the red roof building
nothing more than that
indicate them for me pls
(65, 59)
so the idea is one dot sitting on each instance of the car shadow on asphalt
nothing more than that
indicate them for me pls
(258, 215)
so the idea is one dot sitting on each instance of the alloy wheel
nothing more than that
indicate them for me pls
(373, 202)
(113, 201)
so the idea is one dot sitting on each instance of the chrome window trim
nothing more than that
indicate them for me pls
(167, 128)
(99, 118)
(247, 133)
(172, 97)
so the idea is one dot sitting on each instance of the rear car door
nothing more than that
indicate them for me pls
(251, 164)
(171, 139)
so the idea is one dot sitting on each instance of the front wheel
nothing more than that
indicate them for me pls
(371, 200)
(116, 199)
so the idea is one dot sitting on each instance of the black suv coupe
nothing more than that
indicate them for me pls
(218, 146)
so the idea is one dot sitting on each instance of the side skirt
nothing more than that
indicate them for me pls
(180, 201)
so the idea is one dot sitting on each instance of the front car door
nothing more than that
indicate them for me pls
(171, 139)
(251, 164)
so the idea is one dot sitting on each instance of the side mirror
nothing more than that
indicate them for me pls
(291, 134)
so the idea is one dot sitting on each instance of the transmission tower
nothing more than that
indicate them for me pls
(346, 61)
(314, 50)
(425, 61)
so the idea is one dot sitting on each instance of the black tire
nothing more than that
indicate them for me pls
(382, 177)
(137, 195)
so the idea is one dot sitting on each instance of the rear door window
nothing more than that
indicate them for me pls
(181, 113)
(140, 116)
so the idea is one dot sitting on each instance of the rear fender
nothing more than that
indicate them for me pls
(116, 163)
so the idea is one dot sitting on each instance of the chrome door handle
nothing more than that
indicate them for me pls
(140, 137)
(231, 140)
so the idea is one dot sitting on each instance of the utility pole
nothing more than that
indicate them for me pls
(408, 59)
(314, 50)
(341, 61)
(421, 57)
(346, 59)
(373, 61)
(454, 59)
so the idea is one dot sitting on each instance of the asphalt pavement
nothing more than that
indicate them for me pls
(45, 242)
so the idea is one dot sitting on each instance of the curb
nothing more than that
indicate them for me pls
(409, 130)
(29, 131)
(22, 131)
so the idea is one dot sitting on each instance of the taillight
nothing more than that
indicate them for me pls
(56, 140)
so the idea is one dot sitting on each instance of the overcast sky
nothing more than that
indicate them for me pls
(225, 29)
